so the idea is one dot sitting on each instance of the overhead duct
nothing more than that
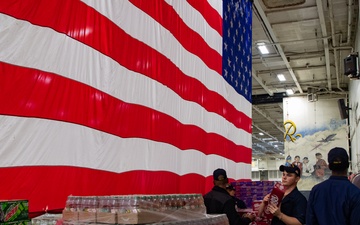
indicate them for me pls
(282, 3)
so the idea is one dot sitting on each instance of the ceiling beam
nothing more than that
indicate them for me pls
(265, 132)
(294, 22)
(268, 118)
(266, 72)
(293, 8)
(262, 83)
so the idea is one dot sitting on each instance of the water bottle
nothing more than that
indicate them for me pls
(92, 204)
(134, 204)
(115, 204)
(78, 205)
(70, 201)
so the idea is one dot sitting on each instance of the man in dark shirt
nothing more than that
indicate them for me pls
(240, 204)
(293, 205)
(218, 201)
(336, 200)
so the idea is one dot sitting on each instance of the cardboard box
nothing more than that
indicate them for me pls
(14, 210)
(87, 217)
(70, 216)
(148, 216)
(106, 217)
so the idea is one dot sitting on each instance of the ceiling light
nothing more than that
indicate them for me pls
(281, 77)
(262, 48)
(266, 139)
(289, 91)
(261, 133)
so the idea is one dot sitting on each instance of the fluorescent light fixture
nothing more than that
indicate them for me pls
(261, 134)
(262, 48)
(289, 91)
(281, 77)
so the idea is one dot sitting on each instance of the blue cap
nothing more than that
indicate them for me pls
(338, 159)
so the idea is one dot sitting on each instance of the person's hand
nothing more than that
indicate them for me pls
(274, 210)
(266, 198)
(250, 216)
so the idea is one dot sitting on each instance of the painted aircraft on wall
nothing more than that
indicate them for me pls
(328, 138)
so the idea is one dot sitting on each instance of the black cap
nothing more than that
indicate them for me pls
(290, 169)
(219, 174)
(338, 159)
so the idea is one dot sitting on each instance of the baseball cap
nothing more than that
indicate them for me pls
(219, 174)
(290, 169)
(338, 159)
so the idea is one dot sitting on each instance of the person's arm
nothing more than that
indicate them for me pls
(288, 220)
(234, 217)
(262, 205)
(355, 209)
(240, 203)
(310, 215)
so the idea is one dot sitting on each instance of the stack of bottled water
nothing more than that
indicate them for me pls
(46, 219)
(132, 203)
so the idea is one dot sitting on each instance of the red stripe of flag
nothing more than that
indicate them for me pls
(210, 15)
(57, 182)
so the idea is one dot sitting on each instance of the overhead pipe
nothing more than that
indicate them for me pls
(333, 39)
(326, 42)
(342, 45)
(350, 4)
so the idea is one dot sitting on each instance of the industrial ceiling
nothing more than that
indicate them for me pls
(307, 43)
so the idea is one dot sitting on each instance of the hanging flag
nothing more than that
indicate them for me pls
(122, 97)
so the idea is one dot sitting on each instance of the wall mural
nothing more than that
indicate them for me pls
(311, 130)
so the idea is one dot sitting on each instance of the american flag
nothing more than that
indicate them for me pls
(122, 97)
